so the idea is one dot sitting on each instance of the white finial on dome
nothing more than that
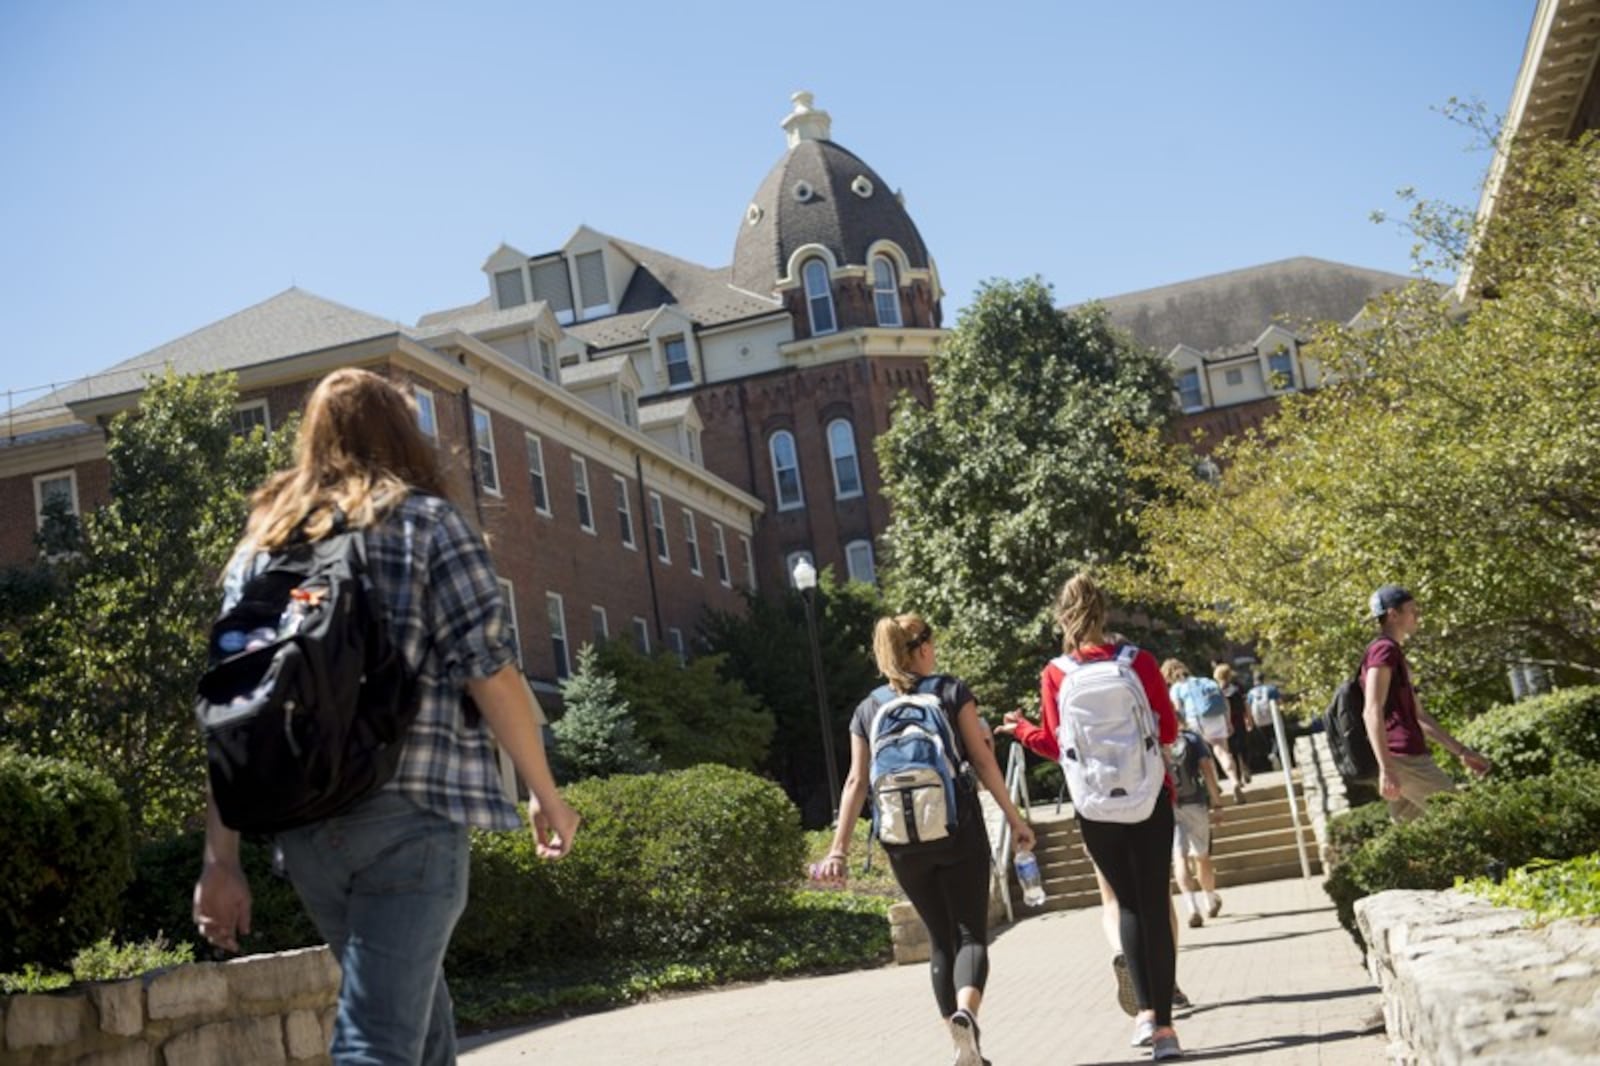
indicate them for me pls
(806, 123)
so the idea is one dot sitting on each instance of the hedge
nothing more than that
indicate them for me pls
(1531, 737)
(1510, 822)
(68, 850)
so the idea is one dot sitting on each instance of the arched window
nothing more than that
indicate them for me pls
(846, 469)
(885, 291)
(786, 470)
(819, 297)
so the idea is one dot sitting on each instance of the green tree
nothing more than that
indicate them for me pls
(595, 737)
(1015, 477)
(687, 713)
(114, 658)
(1453, 453)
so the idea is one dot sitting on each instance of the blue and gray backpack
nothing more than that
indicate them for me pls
(916, 771)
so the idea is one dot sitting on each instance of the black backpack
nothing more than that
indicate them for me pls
(1345, 726)
(307, 701)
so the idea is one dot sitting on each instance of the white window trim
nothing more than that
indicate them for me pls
(641, 628)
(1200, 387)
(38, 493)
(580, 489)
(675, 638)
(872, 562)
(421, 396)
(544, 352)
(631, 542)
(855, 457)
(536, 448)
(720, 546)
(805, 289)
(598, 612)
(777, 482)
(564, 667)
(691, 536)
(688, 362)
(658, 527)
(484, 442)
(508, 593)
(256, 405)
(749, 562)
(894, 276)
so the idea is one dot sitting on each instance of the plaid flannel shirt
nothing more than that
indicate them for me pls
(438, 587)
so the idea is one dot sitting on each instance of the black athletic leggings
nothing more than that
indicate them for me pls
(948, 884)
(1137, 862)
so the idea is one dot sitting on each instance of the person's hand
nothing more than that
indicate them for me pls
(1008, 725)
(1022, 833)
(554, 825)
(831, 870)
(1388, 787)
(1216, 812)
(1475, 762)
(222, 904)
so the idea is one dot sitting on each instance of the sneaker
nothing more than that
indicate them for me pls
(964, 1031)
(1195, 921)
(1216, 907)
(1238, 797)
(1127, 999)
(1179, 1000)
(1144, 1030)
(1164, 1048)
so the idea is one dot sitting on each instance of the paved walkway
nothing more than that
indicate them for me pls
(1274, 978)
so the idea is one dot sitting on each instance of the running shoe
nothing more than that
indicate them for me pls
(1144, 1031)
(964, 1031)
(1165, 1048)
(1179, 1000)
(1127, 999)
(1216, 906)
(1195, 921)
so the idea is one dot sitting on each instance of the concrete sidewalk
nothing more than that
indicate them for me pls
(1274, 980)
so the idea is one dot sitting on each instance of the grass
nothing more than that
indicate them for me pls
(878, 881)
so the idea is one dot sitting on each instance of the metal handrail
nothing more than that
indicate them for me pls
(1017, 789)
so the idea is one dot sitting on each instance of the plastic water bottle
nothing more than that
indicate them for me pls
(1028, 877)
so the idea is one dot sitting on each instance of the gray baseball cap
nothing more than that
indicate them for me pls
(1386, 599)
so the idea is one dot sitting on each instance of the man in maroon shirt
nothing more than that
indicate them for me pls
(1397, 726)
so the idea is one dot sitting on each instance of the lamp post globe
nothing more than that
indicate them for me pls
(805, 579)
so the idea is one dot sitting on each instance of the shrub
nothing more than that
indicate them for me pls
(1546, 889)
(1512, 822)
(514, 910)
(673, 861)
(1532, 737)
(108, 961)
(66, 841)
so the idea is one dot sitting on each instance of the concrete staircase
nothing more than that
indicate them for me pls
(1253, 842)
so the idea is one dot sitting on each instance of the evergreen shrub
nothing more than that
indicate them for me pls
(1534, 736)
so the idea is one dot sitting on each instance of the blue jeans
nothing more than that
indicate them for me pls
(385, 883)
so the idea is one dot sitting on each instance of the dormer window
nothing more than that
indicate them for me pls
(508, 290)
(547, 359)
(551, 284)
(630, 408)
(679, 372)
(1280, 368)
(694, 445)
(592, 283)
(1189, 397)
(819, 297)
(885, 291)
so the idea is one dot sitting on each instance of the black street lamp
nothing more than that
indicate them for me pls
(805, 579)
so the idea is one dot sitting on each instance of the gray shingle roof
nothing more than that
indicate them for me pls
(664, 411)
(1230, 310)
(290, 323)
(834, 217)
(476, 318)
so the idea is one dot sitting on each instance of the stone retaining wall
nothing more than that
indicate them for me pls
(1325, 792)
(263, 1009)
(1463, 979)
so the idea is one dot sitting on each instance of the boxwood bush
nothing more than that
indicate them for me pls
(68, 853)
(1532, 737)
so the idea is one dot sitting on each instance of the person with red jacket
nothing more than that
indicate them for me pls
(1134, 857)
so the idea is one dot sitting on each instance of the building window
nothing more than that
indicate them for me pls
(551, 284)
(600, 628)
(1189, 390)
(58, 489)
(508, 601)
(641, 635)
(819, 297)
(858, 561)
(675, 635)
(792, 560)
(719, 547)
(541, 491)
(624, 510)
(547, 358)
(483, 443)
(630, 408)
(1280, 365)
(749, 563)
(693, 541)
(846, 470)
(592, 282)
(508, 290)
(785, 470)
(694, 447)
(247, 416)
(1234, 376)
(658, 526)
(885, 291)
(679, 372)
(427, 414)
(558, 634)
(580, 485)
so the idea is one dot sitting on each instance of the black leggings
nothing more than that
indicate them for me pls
(1137, 862)
(948, 884)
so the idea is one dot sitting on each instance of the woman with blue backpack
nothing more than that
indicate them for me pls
(916, 745)
(1107, 719)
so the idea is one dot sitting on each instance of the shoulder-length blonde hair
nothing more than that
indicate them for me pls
(894, 641)
(359, 450)
(1174, 671)
(1080, 612)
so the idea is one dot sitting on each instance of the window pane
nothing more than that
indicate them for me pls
(678, 370)
(846, 471)
(720, 546)
(785, 470)
(558, 634)
(483, 440)
(1281, 365)
(550, 284)
(427, 420)
(819, 297)
(641, 636)
(580, 480)
(508, 288)
(858, 560)
(692, 541)
(658, 524)
(599, 627)
(885, 292)
(1189, 388)
(624, 512)
(592, 280)
(541, 495)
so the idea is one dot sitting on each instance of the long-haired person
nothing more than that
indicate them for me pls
(946, 880)
(1134, 856)
(386, 879)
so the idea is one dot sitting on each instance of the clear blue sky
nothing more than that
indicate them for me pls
(166, 164)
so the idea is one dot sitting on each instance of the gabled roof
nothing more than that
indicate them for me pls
(663, 412)
(291, 323)
(1230, 310)
(480, 318)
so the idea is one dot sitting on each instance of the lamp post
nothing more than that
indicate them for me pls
(805, 579)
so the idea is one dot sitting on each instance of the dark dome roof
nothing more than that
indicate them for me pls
(835, 215)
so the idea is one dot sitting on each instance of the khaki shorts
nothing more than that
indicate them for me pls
(1419, 777)
(1191, 830)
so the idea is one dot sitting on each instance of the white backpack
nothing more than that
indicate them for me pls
(1109, 752)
